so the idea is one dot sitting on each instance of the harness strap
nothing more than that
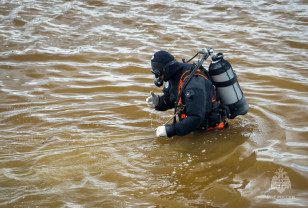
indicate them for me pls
(184, 76)
(214, 106)
(205, 54)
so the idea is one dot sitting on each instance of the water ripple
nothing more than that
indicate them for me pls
(75, 73)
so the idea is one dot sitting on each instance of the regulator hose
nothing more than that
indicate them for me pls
(206, 53)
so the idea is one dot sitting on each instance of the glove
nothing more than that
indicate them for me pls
(161, 131)
(153, 100)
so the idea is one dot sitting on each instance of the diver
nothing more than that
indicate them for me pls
(197, 104)
(196, 100)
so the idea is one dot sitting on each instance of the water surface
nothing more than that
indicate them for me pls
(75, 129)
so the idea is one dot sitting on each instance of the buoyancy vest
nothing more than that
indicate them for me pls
(210, 122)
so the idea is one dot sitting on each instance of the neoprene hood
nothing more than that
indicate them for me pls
(160, 64)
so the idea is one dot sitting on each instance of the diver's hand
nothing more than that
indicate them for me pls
(153, 100)
(161, 131)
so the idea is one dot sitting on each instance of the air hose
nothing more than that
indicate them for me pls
(205, 54)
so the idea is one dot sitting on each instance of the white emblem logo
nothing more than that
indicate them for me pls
(281, 181)
(166, 85)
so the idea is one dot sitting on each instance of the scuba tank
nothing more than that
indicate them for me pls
(228, 88)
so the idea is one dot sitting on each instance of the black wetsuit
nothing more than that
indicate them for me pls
(197, 97)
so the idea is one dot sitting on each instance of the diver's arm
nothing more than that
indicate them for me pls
(164, 102)
(196, 105)
(194, 116)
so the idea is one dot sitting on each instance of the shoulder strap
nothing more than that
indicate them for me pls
(196, 67)
(186, 74)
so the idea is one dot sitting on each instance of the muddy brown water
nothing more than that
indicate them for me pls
(75, 130)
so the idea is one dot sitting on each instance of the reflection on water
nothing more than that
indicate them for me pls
(75, 128)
